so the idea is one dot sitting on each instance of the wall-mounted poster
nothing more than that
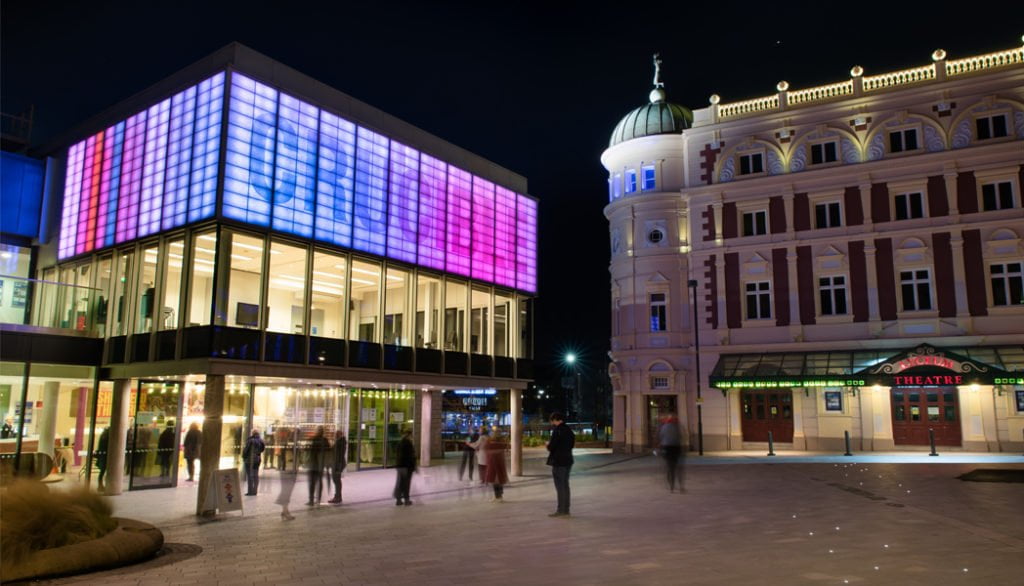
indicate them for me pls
(1, 292)
(833, 400)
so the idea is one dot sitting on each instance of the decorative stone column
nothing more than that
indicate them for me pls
(426, 409)
(48, 418)
(209, 453)
(516, 417)
(872, 275)
(118, 438)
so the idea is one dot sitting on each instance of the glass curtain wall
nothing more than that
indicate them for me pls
(525, 329)
(147, 312)
(397, 302)
(120, 310)
(14, 262)
(241, 260)
(428, 310)
(289, 416)
(104, 280)
(365, 301)
(455, 300)
(327, 311)
(200, 296)
(479, 337)
(286, 292)
(173, 270)
(503, 304)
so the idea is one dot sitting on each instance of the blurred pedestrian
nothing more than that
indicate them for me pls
(165, 449)
(337, 463)
(251, 457)
(102, 447)
(670, 446)
(560, 446)
(468, 456)
(317, 453)
(405, 465)
(495, 472)
(480, 451)
(284, 498)
(193, 441)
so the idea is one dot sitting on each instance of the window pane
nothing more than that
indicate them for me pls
(924, 296)
(833, 215)
(455, 315)
(397, 300)
(830, 152)
(766, 306)
(910, 139)
(146, 312)
(365, 304)
(826, 302)
(999, 126)
(840, 295)
(525, 328)
(762, 227)
(907, 291)
(479, 332)
(286, 294)
(745, 165)
(200, 296)
(242, 259)
(895, 144)
(121, 303)
(983, 130)
(172, 285)
(327, 310)
(428, 311)
(816, 154)
(502, 330)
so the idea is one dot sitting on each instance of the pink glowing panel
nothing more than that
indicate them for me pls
(89, 187)
(202, 196)
(432, 216)
(460, 221)
(91, 195)
(179, 159)
(526, 244)
(504, 237)
(72, 196)
(483, 230)
(154, 167)
(335, 179)
(403, 191)
(131, 177)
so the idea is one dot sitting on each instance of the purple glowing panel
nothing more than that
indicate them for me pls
(295, 167)
(403, 193)
(460, 221)
(107, 221)
(249, 159)
(131, 177)
(72, 198)
(335, 180)
(89, 184)
(179, 159)
(202, 198)
(504, 237)
(371, 192)
(526, 244)
(432, 217)
(483, 230)
(154, 166)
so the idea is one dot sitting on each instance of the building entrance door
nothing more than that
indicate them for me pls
(658, 407)
(915, 410)
(767, 410)
(154, 435)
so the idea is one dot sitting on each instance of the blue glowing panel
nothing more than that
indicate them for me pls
(483, 229)
(504, 237)
(295, 169)
(335, 180)
(370, 209)
(202, 198)
(131, 178)
(158, 121)
(403, 193)
(432, 214)
(460, 221)
(249, 160)
(106, 225)
(21, 189)
(526, 245)
(179, 159)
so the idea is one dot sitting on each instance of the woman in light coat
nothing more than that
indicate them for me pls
(480, 445)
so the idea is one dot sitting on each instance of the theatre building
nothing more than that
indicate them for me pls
(841, 259)
(245, 248)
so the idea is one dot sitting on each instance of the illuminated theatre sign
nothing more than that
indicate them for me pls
(924, 366)
(292, 167)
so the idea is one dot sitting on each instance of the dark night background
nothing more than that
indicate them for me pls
(534, 87)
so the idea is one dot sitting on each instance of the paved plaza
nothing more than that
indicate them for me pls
(744, 519)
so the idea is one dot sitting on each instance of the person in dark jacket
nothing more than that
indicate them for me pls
(102, 447)
(251, 457)
(165, 449)
(560, 446)
(468, 456)
(191, 444)
(495, 473)
(337, 463)
(405, 465)
(317, 453)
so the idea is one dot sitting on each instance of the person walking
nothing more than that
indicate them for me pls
(405, 465)
(480, 451)
(165, 449)
(317, 452)
(560, 446)
(496, 475)
(468, 456)
(337, 462)
(191, 444)
(284, 498)
(251, 457)
(670, 445)
(100, 455)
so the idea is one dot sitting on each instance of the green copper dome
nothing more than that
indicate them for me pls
(656, 117)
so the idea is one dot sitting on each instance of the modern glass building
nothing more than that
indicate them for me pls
(243, 247)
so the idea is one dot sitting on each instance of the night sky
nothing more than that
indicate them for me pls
(535, 87)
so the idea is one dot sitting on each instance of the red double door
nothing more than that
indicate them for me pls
(915, 410)
(764, 411)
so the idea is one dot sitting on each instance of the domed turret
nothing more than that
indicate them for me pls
(656, 117)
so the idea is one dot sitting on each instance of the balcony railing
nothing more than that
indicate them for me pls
(52, 306)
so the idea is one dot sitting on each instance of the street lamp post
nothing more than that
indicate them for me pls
(570, 359)
(696, 344)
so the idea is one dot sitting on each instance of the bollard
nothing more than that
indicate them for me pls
(771, 445)
(931, 440)
(847, 434)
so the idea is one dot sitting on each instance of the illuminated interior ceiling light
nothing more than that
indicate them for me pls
(206, 250)
(366, 271)
(207, 237)
(247, 246)
(241, 257)
(329, 275)
(362, 282)
(178, 244)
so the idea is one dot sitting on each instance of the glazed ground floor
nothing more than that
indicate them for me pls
(130, 433)
(906, 400)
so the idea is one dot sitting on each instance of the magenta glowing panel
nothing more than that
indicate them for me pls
(526, 243)
(145, 174)
(432, 212)
(403, 193)
(459, 234)
(483, 230)
(504, 237)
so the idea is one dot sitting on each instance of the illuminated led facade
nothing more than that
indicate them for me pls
(823, 261)
(242, 247)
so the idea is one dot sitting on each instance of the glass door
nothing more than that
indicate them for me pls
(154, 436)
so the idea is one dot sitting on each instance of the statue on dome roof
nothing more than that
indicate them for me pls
(657, 71)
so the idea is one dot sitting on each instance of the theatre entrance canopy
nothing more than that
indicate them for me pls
(922, 365)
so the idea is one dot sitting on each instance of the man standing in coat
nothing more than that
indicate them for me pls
(252, 455)
(563, 440)
(405, 465)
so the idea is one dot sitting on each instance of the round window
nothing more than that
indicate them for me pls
(655, 236)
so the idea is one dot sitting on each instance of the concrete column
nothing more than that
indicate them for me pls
(209, 452)
(426, 423)
(119, 409)
(799, 437)
(48, 418)
(516, 416)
